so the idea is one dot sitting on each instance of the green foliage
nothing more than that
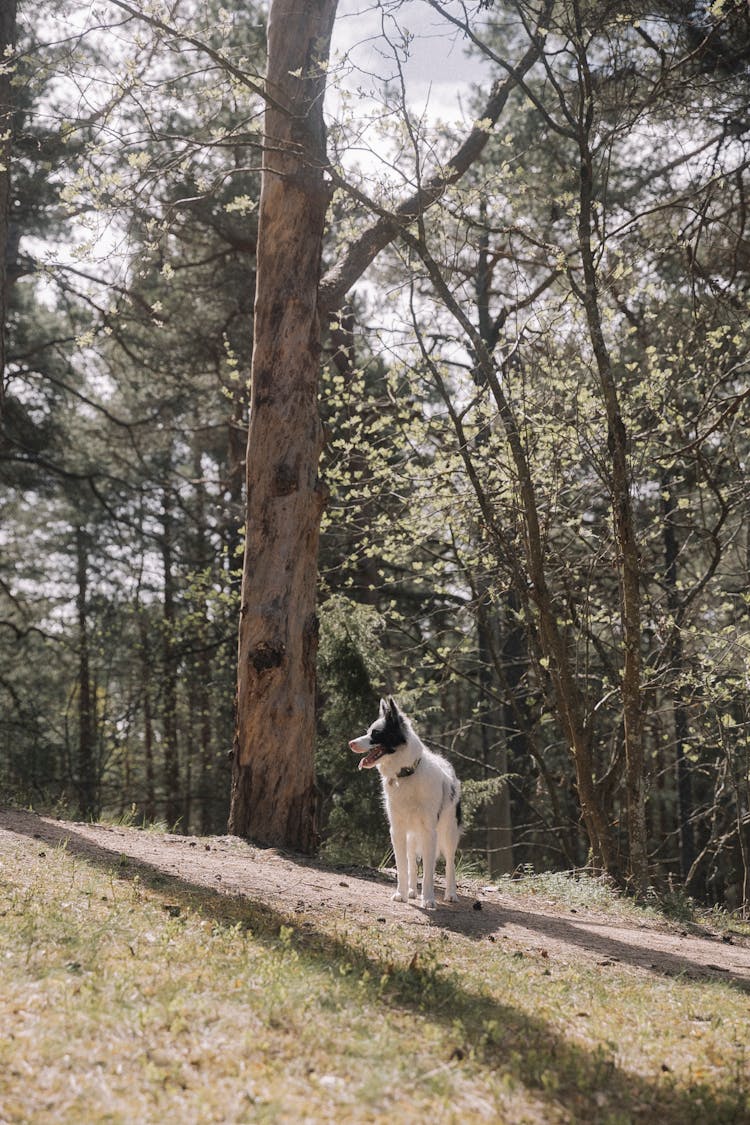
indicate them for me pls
(126, 406)
(352, 670)
(476, 794)
(430, 474)
(351, 660)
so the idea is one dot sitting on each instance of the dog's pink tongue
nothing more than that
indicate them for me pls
(370, 759)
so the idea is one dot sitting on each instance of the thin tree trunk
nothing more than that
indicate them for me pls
(569, 700)
(676, 661)
(200, 669)
(187, 770)
(498, 827)
(171, 763)
(7, 47)
(628, 563)
(85, 766)
(146, 675)
(628, 566)
(497, 813)
(272, 780)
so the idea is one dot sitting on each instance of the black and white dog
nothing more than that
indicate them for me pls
(422, 797)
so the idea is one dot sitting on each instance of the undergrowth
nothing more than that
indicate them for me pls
(582, 890)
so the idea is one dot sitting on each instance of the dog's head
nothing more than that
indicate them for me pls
(387, 734)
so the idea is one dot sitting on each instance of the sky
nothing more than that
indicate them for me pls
(437, 71)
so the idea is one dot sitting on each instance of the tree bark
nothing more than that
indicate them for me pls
(272, 780)
(497, 813)
(146, 671)
(497, 819)
(200, 667)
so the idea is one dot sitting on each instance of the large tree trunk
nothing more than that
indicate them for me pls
(272, 780)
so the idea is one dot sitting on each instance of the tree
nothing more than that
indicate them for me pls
(7, 113)
(273, 782)
(272, 788)
(130, 396)
(598, 82)
(532, 432)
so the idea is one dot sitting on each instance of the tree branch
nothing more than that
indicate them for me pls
(341, 277)
(252, 82)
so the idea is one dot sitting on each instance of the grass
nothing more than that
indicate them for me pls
(126, 997)
(573, 889)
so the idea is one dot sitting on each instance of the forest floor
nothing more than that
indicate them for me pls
(361, 896)
(148, 977)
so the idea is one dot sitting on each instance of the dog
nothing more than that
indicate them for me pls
(422, 798)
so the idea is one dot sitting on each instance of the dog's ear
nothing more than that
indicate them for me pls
(392, 707)
(383, 708)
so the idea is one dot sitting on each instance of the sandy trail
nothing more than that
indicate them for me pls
(296, 885)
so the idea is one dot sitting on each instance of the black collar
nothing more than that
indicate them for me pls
(407, 771)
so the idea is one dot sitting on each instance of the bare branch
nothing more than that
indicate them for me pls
(341, 277)
(251, 81)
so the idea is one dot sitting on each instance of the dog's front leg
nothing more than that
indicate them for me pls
(429, 855)
(398, 839)
(411, 851)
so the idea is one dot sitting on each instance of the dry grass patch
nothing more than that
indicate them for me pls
(131, 996)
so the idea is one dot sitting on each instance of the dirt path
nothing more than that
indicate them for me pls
(293, 885)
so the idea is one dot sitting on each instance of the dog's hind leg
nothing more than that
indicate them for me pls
(448, 845)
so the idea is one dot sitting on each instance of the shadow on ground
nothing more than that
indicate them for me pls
(589, 935)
